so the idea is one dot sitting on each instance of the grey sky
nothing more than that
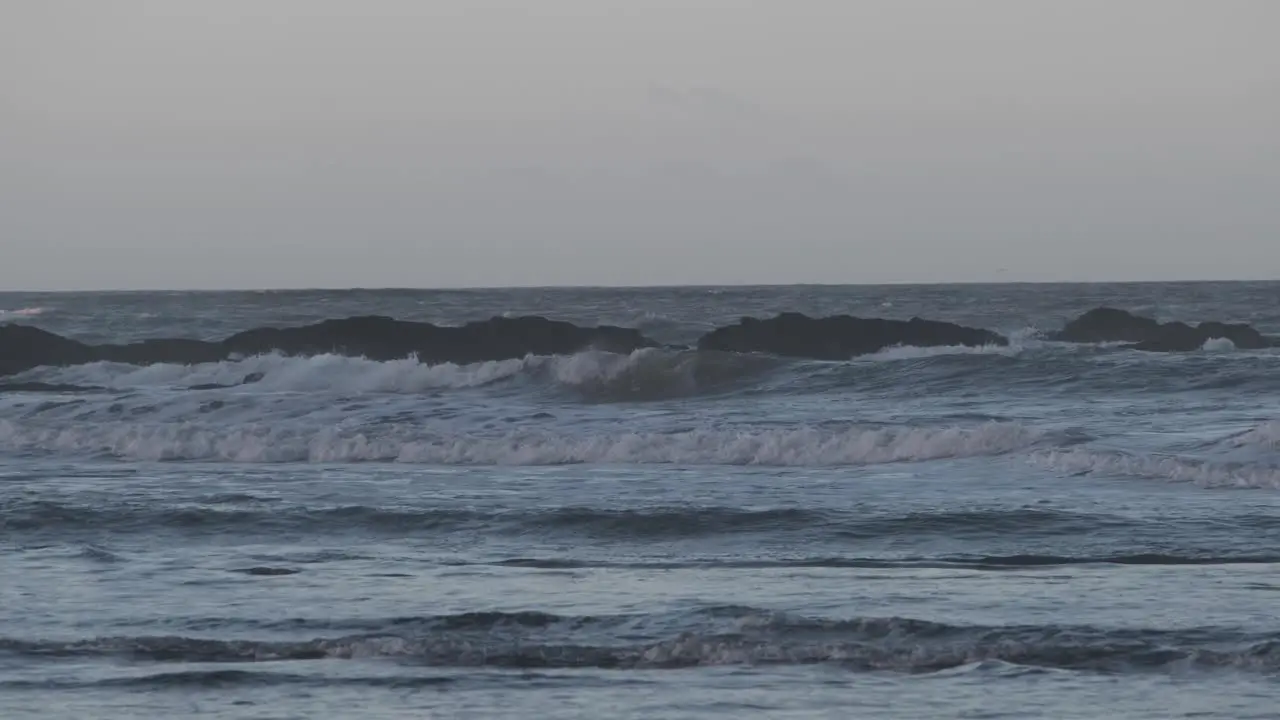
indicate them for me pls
(287, 143)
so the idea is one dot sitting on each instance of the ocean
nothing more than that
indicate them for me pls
(1038, 530)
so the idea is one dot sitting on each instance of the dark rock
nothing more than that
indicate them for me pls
(1107, 325)
(1111, 325)
(377, 338)
(23, 347)
(165, 350)
(383, 338)
(374, 337)
(1180, 337)
(1244, 336)
(517, 337)
(839, 337)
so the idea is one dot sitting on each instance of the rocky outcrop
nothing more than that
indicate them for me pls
(379, 338)
(840, 337)
(1180, 337)
(1143, 333)
(23, 347)
(788, 334)
(1106, 324)
(383, 338)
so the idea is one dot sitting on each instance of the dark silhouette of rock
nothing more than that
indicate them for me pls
(1180, 337)
(377, 338)
(383, 338)
(23, 347)
(1244, 336)
(1112, 325)
(1106, 324)
(374, 337)
(840, 337)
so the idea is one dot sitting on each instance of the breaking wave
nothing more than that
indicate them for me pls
(1265, 436)
(643, 374)
(721, 636)
(1164, 467)
(26, 312)
(1019, 342)
(271, 443)
(1218, 345)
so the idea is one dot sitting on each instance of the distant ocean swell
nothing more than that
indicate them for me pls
(254, 515)
(928, 538)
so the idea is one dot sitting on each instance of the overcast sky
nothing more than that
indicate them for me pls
(426, 143)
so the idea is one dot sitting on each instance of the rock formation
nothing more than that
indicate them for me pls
(839, 337)
(23, 347)
(378, 338)
(1142, 333)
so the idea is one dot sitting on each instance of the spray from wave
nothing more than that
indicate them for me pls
(1019, 342)
(27, 312)
(280, 373)
(1265, 436)
(641, 375)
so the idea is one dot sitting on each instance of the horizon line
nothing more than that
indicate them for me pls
(658, 286)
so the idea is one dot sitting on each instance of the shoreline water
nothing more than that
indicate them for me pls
(1043, 529)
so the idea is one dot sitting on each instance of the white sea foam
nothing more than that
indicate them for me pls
(24, 312)
(911, 352)
(1218, 345)
(900, 648)
(266, 443)
(647, 372)
(1266, 436)
(650, 371)
(1019, 342)
(335, 373)
(1163, 467)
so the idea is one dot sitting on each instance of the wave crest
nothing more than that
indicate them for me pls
(715, 637)
(263, 443)
(643, 374)
(1166, 467)
(26, 312)
(1265, 436)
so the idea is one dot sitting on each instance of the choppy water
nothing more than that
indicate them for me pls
(1042, 530)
